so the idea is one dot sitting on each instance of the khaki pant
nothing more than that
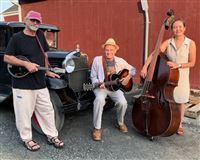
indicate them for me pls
(28, 101)
(99, 102)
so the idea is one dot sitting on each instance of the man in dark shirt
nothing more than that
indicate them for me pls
(30, 93)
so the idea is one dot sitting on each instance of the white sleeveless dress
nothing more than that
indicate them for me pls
(179, 56)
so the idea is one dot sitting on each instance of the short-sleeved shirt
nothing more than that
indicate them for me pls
(28, 46)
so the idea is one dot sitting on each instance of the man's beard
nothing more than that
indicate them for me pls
(33, 28)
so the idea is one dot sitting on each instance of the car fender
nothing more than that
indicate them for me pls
(55, 83)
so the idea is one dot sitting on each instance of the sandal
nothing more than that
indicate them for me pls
(180, 131)
(34, 147)
(57, 143)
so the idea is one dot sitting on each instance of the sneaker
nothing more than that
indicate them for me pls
(122, 128)
(96, 134)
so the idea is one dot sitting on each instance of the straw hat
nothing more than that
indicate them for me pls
(112, 42)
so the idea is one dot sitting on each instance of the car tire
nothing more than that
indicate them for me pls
(59, 116)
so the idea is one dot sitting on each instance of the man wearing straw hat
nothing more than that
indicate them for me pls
(102, 67)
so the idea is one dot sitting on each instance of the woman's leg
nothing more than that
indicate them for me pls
(182, 110)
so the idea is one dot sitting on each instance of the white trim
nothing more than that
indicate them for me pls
(10, 14)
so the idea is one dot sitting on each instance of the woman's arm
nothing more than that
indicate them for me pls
(143, 72)
(192, 56)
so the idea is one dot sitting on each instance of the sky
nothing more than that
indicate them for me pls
(4, 4)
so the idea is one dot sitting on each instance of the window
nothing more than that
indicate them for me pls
(51, 38)
(2, 39)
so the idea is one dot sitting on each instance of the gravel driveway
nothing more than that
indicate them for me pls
(115, 145)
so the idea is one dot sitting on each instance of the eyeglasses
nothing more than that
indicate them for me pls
(35, 21)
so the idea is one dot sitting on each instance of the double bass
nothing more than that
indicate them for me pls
(155, 113)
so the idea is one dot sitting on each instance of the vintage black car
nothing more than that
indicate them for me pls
(67, 94)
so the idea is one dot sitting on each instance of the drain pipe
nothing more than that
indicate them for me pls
(145, 8)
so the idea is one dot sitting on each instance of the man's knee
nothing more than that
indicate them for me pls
(99, 100)
(122, 104)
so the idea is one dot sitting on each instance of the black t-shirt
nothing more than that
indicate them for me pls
(28, 46)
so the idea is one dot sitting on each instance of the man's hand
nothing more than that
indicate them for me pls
(102, 86)
(31, 67)
(52, 74)
(124, 81)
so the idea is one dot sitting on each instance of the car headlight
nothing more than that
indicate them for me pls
(68, 64)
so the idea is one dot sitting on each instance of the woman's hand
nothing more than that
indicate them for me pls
(143, 72)
(173, 65)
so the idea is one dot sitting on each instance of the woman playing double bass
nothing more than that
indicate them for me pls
(181, 52)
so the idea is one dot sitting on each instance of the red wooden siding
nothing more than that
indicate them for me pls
(90, 22)
(11, 18)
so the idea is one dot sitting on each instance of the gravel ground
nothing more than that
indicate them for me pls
(76, 134)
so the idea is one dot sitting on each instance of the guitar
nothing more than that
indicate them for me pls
(114, 82)
(20, 71)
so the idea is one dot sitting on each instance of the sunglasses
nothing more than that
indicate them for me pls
(35, 21)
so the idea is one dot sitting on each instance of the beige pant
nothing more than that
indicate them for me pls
(99, 102)
(28, 101)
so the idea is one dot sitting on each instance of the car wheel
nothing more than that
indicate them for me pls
(59, 116)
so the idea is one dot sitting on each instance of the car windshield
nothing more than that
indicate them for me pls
(51, 38)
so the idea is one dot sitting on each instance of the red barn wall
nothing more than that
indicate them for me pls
(90, 23)
(11, 18)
